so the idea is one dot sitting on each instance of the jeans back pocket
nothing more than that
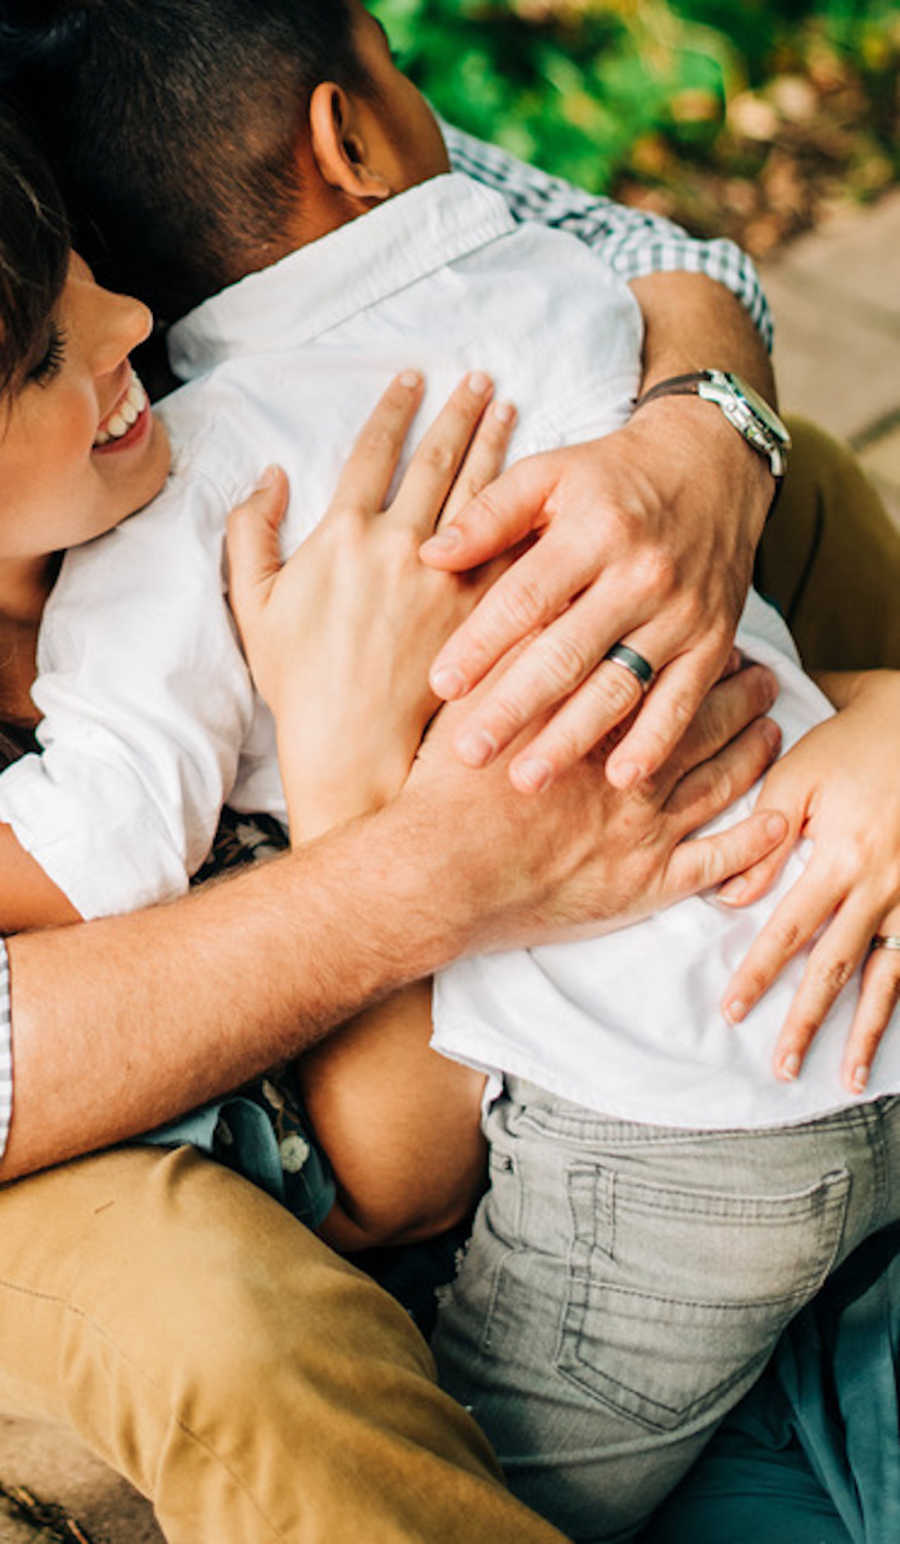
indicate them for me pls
(676, 1296)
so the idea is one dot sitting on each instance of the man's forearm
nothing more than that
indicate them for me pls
(123, 1023)
(692, 322)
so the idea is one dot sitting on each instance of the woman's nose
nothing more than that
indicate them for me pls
(123, 324)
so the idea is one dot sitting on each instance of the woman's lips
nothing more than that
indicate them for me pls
(132, 436)
(118, 426)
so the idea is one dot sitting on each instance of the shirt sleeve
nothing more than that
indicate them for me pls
(145, 701)
(5, 1050)
(633, 242)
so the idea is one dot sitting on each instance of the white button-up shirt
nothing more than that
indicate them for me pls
(151, 722)
(632, 242)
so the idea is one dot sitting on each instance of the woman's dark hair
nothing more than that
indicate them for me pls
(172, 127)
(34, 249)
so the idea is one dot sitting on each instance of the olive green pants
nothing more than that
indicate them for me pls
(198, 1339)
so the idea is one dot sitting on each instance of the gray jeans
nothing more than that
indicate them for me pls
(625, 1284)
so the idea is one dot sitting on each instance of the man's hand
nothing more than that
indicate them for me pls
(645, 538)
(638, 542)
(589, 857)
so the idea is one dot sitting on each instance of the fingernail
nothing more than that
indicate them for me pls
(733, 663)
(476, 747)
(505, 411)
(735, 1011)
(771, 733)
(447, 683)
(790, 1067)
(531, 776)
(268, 477)
(411, 379)
(733, 891)
(443, 540)
(776, 825)
(625, 774)
(859, 1079)
(478, 383)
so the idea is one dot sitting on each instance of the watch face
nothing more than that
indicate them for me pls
(761, 409)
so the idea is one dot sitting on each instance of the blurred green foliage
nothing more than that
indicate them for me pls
(585, 86)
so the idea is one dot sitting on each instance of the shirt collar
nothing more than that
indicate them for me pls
(323, 284)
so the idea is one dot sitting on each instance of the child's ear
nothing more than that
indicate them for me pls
(340, 145)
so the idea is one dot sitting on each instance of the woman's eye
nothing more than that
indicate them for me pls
(50, 361)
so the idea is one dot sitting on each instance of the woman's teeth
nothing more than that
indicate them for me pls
(127, 413)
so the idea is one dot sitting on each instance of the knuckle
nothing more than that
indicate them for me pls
(523, 603)
(614, 689)
(564, 747)
(655, 573)
(438, 457)
(758, 977)
(711, 864)
(786, 937)
(376, 439)
(681, 708)
(805, 1032)
(343, 528)
(506, 715)
(832, 975)
(720, 782)
(563, 660)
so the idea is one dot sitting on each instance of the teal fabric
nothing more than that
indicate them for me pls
(258, 1135)
(261, 1130)
(812, 1454)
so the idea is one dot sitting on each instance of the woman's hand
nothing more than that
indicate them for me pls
(340, 637)
(840, 786)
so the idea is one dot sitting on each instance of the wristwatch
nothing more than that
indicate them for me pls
(750, 414)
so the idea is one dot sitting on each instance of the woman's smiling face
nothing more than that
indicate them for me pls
(79, 446)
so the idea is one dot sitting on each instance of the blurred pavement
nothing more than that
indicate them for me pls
(835, 294)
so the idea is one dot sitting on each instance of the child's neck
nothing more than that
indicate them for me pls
(24, 587)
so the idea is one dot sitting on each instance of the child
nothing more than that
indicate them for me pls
(595, 1411)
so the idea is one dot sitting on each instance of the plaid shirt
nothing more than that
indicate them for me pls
(632, 242)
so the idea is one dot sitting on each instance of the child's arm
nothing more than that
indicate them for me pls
(840, 786)
(28, 899)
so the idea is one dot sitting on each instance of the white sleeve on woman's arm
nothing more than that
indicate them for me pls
(633, 242)
(146, 701)
(5, 1050)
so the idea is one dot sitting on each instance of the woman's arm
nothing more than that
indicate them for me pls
(839, 786)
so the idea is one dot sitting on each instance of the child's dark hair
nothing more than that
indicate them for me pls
(173, 125)
(34, 250)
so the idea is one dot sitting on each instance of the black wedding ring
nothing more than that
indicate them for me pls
(631, 660)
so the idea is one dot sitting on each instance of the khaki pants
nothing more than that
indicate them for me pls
(253, 1385)
(830, 557)
(238, 1373)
